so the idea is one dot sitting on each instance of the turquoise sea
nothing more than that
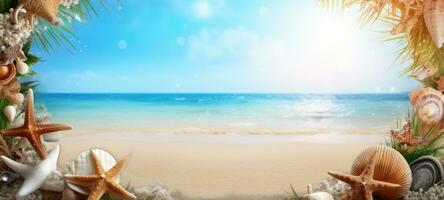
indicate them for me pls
(228, 113)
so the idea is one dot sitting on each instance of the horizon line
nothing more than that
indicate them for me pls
(318, 93)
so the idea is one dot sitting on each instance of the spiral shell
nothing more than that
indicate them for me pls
(426, 172)
(433, 18)
(428, 104)
(390, 167)
(7, 73)
(82, 165)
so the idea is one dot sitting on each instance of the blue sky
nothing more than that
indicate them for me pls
(224, 46)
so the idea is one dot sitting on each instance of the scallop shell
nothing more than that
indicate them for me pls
(428, 104)
(82, 166)
(426, 172)
(390, 167)
(10, 74)
(434, 20)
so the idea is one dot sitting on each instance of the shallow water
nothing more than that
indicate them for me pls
(228, 113)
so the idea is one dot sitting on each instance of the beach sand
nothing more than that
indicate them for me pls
(212, 168)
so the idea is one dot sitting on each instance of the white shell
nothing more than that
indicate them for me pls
(52, 137)
(22, 67)
(10, 112)
(82, 166)
(428, 104)
(318, 196)
(434, 20)
(425, 72)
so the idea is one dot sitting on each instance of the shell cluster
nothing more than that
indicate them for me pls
(14, 34)
(428, 104)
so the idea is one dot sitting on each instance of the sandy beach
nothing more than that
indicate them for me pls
(218, 166)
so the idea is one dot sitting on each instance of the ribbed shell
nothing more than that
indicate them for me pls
(434, 20)
(82, 165)
(10, 76)
(390, 167)
(428, 104)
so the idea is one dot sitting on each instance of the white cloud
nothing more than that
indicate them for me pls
(202, 9)
(229, 44)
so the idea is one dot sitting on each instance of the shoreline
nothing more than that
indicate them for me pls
(215, 166)
(331, 138)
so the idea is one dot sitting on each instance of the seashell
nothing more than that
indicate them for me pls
(426, 172)
(428, 104)
(16, 98)
(316, 195)
(434, 20)
(82, 166)
(10, 112)
(22, 67)
(7, 73)
(420, 74)
(69, 194)
(390, 167)
(54, 137)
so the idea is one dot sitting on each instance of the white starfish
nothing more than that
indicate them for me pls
(36, 175)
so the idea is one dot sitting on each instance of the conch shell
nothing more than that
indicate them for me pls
(390, 167)
(428, 104)
(434, 20)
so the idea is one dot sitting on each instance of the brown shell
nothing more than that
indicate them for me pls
(15, 98)
(11, 74)
(428, 104)
(390, 167)
(434, 20)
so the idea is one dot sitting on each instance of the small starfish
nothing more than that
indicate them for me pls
(11, 54)
(46, 9)
(11, 92)
(405, 136)
(36, 175)
(101, 182)
(364, 185)
(31, 130)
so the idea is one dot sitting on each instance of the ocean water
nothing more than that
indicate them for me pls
(228, 113)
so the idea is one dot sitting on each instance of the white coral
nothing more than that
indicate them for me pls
(69, 3)
(154, 193)
(14, 34)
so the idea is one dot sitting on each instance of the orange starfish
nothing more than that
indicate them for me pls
(31, 130)
(406, 137)
(102, 182)
(46, 9)
(364, 185)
